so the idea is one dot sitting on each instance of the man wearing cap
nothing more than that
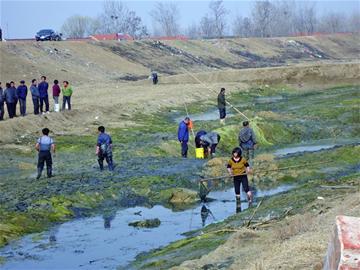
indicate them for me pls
(21, 92)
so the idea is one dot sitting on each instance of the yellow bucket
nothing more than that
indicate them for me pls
(199, 153)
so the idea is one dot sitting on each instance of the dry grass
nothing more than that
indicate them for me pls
(295, 226)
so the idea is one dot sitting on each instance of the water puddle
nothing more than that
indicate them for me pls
(264, 100)
(105, 242)
(299, 149)
(207, 116)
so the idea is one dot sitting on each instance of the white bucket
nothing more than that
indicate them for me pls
(57, 107)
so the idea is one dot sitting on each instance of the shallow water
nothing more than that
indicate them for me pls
(304, 148)
(271, 99)
(207, 116)
(105, 242)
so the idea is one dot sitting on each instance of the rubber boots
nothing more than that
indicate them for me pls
(238, 205)
(49, 172)
(101, 164)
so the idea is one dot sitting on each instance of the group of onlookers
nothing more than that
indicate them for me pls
(12, 95)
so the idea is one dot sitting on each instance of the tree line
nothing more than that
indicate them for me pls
(267, 19)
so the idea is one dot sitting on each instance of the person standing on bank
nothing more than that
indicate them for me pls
(44, 145)
(2, 99)
(247, 141)
(10, 99)
(44, 96)
(56, 93)
(22, 92)
(35, 96)
(13, 88)
(67, 93)
(104, 149)
(183, 136)
(238, 167)
(222, 105)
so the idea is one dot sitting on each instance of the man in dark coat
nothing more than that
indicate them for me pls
(1, 103)
(21, 92)
(222, 105)
(10, 99)
(44, 97)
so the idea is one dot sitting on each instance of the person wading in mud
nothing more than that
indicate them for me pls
(222, 105)
(104, 149)
(247, 141)
(238, 167)
(183, 136)
(44, 145)
(209, 142)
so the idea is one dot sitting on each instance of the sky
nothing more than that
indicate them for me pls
(23, 18)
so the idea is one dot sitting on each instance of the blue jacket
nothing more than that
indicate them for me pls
(104, 138)
(34, 91)
(183, 132)
(43, 89)
(10, 95)
(21, 91)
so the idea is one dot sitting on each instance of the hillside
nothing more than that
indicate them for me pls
(90, 61)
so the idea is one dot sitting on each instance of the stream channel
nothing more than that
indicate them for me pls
(107, 241)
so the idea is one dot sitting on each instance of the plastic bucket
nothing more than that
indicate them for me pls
(57, 107)
(199, 153)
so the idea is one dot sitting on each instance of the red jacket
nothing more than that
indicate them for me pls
(56, 90)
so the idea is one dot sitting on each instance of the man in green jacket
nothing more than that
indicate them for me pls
(67, 93)
(222, 105)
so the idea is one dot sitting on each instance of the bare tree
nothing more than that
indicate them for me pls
(282, 22)
(262, 15)
(78, 26)
(193, 31)
(219, 13)
(306, 19)
(332, 23)
(207, 26)
(354, 22)
(242, 27)
(166, 16)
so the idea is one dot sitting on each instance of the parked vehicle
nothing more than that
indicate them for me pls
(47, 34)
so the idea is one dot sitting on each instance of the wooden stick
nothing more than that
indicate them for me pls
(253, 214)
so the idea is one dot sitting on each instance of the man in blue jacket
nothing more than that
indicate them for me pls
(10, 99)
(183, 136)
(44, 97)
(21, 92)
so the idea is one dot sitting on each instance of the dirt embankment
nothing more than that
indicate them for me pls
(98, 72)
(297, 242)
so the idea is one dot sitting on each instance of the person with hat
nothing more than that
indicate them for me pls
(21, 93)
(238, 168)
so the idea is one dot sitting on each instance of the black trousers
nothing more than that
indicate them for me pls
(36, 102)
(42, 101)
(45, 157)
(184, 149)
(108, 157)
(1, 111)
(11, 107)
(222, 113)
(68, 101)
(241, 179)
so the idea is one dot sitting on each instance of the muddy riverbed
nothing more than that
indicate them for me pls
(107, 241)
